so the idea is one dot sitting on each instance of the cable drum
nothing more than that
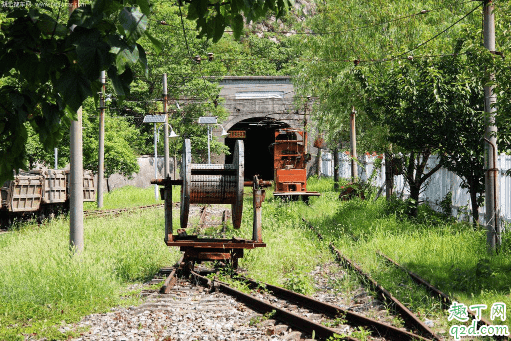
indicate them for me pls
(213, 183)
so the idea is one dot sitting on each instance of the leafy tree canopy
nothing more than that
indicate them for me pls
(50, 64)
(348, 35)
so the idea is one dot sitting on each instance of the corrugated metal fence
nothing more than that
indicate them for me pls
(437, 187)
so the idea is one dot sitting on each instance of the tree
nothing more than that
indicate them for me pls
(51, 67)
(355, 35)
(194, 85)
(462, 150)
(409, 101)
(351, 34)
(435, 105)
(122, 144)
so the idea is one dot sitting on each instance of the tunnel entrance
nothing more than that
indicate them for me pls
(258, 135)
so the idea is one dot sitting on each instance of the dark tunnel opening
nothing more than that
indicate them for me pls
(258, 135)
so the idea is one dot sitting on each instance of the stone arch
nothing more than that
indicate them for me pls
(290, 119)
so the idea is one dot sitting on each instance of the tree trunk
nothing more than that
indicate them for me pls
(318, 165)
(415, 188)
(336, 169)
(389, 177)
(475, 207)
(415, 177)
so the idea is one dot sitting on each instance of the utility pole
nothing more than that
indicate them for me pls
(353, 138)
(76, 175)
(165, 129)
(101, 152)
(491, 150)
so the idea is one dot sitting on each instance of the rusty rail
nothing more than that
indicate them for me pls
(330, 310)
(296, 321)
(202, 220)
(410, 318)
(171, 279)
(117, 211)
(446, 300)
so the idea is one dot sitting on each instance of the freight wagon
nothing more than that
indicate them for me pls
(40, 193)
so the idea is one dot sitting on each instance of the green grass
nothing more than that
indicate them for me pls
(41, 284)
(451, 256)
(129, 196)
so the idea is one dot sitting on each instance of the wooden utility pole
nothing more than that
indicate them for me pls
(101, 151)
(491, 151)
(353, 140)
(76, 175)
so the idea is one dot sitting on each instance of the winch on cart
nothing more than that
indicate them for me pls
(212, 184)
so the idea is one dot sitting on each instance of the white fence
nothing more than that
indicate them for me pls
(437, 187)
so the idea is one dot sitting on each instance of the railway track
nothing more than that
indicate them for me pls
(105, 213)
(118, 211)
(411, 319)
(400, 308)
(300, 317)
(308, 318)
(445, 299)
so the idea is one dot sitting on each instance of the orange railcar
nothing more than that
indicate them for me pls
(290, 159)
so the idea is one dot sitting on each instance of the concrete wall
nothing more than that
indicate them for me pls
(261, 96)
(141, 179)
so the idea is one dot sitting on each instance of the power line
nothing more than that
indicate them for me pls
(187, 46)
(408, 16)
(427, 41)
(315, 59)
(288, 60)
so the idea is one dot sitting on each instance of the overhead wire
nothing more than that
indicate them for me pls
(351, 60)
(404, 55)
(399, 18)
(441, 32)
(187, 46)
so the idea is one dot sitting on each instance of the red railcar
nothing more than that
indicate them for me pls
(290, 159)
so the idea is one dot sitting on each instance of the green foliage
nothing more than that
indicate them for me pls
(52, 69)
(48, 69)
(446, 204)
(212, 16)
(299, 282)
(433, 106)
(340, 320)
(122, 144)
(360, 333)
(258, 319)
(353, 34)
